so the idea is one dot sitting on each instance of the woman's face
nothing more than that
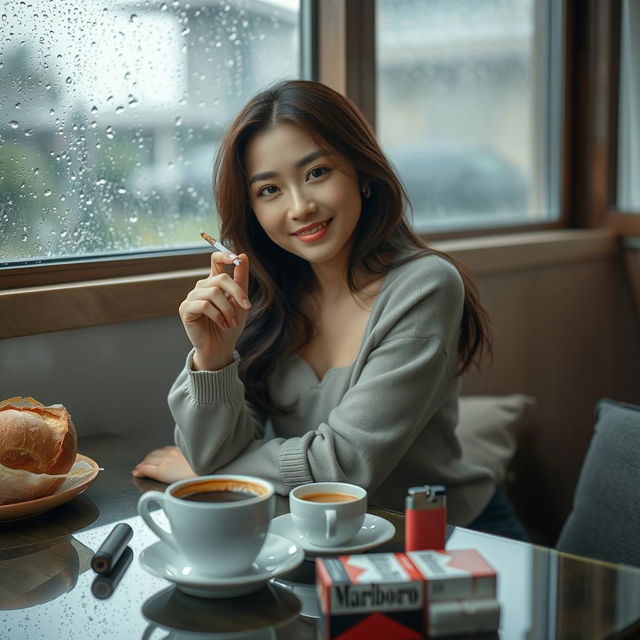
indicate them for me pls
(307, 200)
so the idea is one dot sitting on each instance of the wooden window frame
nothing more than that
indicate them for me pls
(595, 77)
(104, 290)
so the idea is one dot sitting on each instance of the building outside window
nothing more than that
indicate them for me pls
(469, 108)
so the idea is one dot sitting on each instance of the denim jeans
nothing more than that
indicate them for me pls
(500, 519)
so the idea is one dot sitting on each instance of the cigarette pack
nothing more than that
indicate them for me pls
(460, 592)
(370, 597)
(455, 574)
(462, 617)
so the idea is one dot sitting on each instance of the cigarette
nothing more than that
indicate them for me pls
(105, 584)
(220, 247)
(111, 549)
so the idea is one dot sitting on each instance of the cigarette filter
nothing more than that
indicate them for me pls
(105, 583)
(111, 549)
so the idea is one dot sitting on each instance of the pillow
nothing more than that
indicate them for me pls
(487, 428)
(605, 520)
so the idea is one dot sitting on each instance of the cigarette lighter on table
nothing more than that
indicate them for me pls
(426, 518)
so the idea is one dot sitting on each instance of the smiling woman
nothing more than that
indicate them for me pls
(306, 199)
(340, 326)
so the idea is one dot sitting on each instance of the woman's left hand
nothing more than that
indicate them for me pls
(165, 465)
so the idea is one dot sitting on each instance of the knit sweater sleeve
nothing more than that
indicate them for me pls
(213, 421)
(404, 370)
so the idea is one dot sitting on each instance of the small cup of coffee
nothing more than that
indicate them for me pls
(218, 523)
(328, 514)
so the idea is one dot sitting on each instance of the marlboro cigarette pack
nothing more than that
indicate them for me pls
(455, 574)
(462, 617)
(370, 597)
(460, 592)
(403, 596)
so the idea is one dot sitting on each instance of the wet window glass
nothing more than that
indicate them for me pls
(469, 108)
(110, 113)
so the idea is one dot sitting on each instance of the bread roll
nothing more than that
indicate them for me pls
(36, 438)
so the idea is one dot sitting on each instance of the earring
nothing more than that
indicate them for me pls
(366, 190)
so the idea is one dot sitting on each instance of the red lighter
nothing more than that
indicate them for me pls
(426, 518)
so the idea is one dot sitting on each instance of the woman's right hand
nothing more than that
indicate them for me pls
(215, 311)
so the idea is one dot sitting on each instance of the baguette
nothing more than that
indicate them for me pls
(36, 438)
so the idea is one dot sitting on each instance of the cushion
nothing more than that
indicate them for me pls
(487, 427)
(605, 520)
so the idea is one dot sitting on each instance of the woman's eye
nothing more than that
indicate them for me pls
(318, 172)
(269, 190)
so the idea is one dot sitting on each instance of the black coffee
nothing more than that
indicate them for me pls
(218, 496)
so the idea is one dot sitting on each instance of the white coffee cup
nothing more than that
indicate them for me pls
(218, 523)
(328, 514)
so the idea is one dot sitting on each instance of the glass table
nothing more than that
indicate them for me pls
(48, 589)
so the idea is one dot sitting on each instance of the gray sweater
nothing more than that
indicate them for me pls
(385, 422)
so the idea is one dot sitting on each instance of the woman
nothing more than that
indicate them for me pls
(334, 350)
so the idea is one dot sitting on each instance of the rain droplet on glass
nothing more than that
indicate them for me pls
(14, 124)
(109, 132)
(119, 110)
(94, 110)
(178, 121)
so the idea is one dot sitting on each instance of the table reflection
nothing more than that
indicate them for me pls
(263, 615)
(31, 575)
(550, 595)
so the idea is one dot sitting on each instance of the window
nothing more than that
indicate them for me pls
(629, 110)
(469, 108)
(110, 113)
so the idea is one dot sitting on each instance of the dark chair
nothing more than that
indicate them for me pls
(605, 520)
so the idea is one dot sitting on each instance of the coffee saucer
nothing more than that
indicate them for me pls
(278, 555)
(374, 532)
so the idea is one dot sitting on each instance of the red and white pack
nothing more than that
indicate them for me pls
(370, 597)
(379, 596)
(455, 574)
(460, 592)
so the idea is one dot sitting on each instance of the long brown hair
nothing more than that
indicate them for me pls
(276, 326)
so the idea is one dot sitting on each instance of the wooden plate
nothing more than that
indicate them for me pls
(32, 507)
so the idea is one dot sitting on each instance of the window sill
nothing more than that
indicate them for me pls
(40, 309)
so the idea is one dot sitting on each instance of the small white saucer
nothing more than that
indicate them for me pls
(374, 532)
(278, 555)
